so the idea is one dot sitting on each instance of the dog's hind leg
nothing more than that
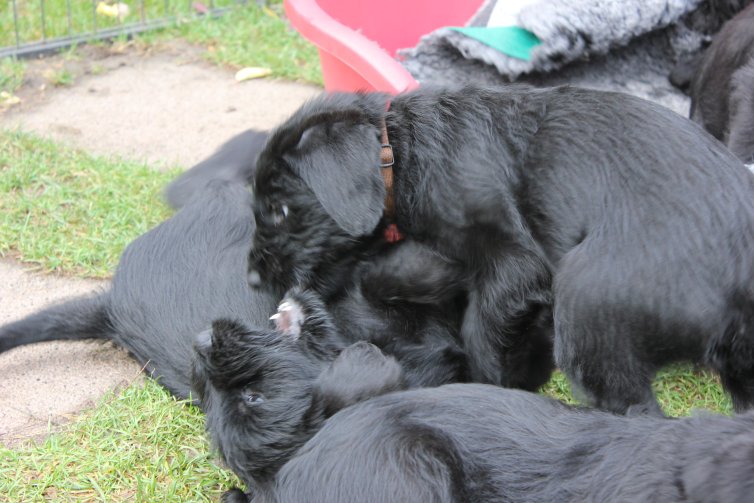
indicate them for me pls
(732, 352)
(507, 326)
(596, 340)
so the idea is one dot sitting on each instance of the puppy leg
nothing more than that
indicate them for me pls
(732, 351)
(302, 315)
(235, 495)
(411, 272)
(507, 326)
(359, 373)
(597, 339)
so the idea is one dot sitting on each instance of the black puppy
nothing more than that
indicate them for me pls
(722, 86)
(170, 284)
(297, 428)
(255, 386)
(234, 161)
(627, 224)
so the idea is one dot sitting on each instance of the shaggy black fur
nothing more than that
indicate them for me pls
(234, 161)
(297, 430)
(407, 301)
(415, 319)
(627, 224)
(722, 86)
(169, 285)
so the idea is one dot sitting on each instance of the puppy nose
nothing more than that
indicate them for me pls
(254, 278)
(203, 341)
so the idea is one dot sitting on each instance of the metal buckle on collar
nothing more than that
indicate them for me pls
(385, 163)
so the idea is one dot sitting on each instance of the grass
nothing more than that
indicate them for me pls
(680, 389)
(246, 36)
(35, 23)
(11, 74)
(137, 445)
(67, 211)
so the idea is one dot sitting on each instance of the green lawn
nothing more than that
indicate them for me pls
(66, 211)
(139, 445)
(38, 19)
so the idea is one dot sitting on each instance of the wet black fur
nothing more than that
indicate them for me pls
(722, 86)
(627, 225)
(347, 433)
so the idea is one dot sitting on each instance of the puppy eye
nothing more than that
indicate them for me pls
(252, 398)
(279, 215)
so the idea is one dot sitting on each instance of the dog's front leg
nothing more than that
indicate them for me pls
(507, 326)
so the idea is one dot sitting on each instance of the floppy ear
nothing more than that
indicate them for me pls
(339, 161)
(359, 373)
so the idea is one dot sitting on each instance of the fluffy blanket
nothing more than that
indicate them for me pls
(622, 45)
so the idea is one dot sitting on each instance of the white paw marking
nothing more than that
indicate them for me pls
(289, 318)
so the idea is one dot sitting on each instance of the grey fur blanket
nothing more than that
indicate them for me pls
(568, 29)
(621, 45)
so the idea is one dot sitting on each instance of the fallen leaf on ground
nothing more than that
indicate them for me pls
(252, 72)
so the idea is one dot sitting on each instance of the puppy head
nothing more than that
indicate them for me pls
(318, 188)
(255, 386)
(265, 393)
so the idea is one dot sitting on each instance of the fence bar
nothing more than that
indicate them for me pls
(15, 22)
(94, 15)
(42, 16)
(142, 11)
(38, 48)
(68, 14)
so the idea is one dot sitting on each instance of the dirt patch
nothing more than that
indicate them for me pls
(165, 106)
(44, 384)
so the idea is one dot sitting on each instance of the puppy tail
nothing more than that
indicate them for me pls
(80, 318)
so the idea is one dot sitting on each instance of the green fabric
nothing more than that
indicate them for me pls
(511, 40)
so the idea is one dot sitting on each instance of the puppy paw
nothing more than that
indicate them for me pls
(289, 318)
(235, 495)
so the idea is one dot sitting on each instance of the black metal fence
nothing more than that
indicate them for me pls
(33, 27)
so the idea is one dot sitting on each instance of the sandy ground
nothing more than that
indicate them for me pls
(167, 107)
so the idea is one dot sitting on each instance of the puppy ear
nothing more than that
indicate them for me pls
(359, 373)
(339, 161)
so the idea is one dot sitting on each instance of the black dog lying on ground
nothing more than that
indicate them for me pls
(297, 426)
(174, 280)
(170, 284)
(721, 85)
(626, 224)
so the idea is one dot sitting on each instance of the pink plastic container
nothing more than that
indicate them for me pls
(357, 39)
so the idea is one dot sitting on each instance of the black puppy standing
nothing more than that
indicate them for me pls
(298, 423)
(625, 224)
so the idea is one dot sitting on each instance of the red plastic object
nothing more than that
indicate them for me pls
(357, 39)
